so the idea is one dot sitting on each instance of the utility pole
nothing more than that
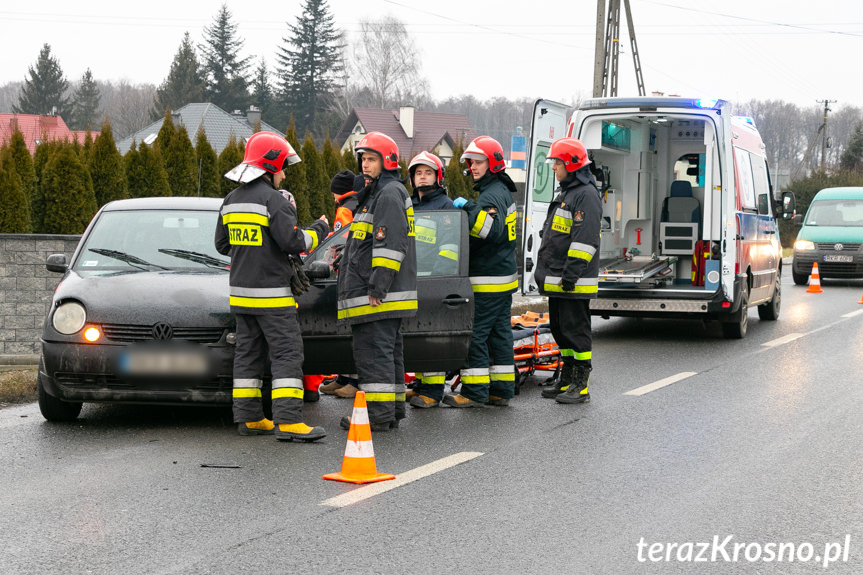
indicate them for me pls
(605, 71)
(824, 125)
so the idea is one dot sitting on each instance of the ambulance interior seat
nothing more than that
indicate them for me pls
(680, 220)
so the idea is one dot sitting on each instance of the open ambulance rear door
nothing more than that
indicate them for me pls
(548, 125)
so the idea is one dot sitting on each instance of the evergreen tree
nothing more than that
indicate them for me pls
(22, 163)
(184, 83)
(209, 178)
(146, 173)
(262, 91)
(167, 134)
(457, 184)
(295, 179)
(70, 203)
(332, 160)
(41, 158)
(309, 63)
(852, 157)
(224, 70)
(228, 158)
(85, 103)
(320, 198)
(181, 164)
(14, 204)
(107, 170)
(87, 148)
(349, 160)
(44, 91)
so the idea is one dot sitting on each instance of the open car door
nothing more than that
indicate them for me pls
(548, 125)
(436, 339)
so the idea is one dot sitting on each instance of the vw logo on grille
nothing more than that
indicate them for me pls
(162, 331)
(838, 247)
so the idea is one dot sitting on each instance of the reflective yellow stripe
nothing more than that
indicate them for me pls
(400, 397)
(433, 379)
(563, 225)
(474, 379)
(314, 237)
(567, 353)
(578, 289)
(245, 218)
(246, 392)
(386, 263)
(263, 302)
(380, 397)
(384, 307)
(582, 355)
(449, 254)
(360, 229)
(480, 225)
(287, 392)
(502, 376)
(493, 288)
(580, 255)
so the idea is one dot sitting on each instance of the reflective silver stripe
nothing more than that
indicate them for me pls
(501, 369)
(433, 374)
(365, 217)
(389, 254)
(494, 280)
(474, 371)
(578, 246)
(287, 382)
(310, 241)
(379, 387)
(581, 282)
(260, 292)
(563, 213)
(246, 209)
(510, 209)
(408, 203)
(364, 299)
(486, 226)
(248, 383)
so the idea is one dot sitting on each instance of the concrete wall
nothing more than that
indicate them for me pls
(26, 288)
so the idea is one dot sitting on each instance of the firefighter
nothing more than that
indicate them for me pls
(377, 281)
(489, 375)
(567, 269)
(259, 231)
(435, 244)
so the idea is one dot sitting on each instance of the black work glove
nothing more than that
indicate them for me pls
(337, 260)
(567, 285)
(299, 280)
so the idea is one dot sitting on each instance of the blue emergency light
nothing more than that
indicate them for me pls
(705, 103)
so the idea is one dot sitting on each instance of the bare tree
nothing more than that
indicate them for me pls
(386, 62)
(128, 107)
(9, 96)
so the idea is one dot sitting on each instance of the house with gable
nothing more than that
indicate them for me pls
(414, 131)
(218, 124)
(37, 129)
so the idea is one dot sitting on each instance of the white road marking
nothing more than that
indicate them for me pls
(853, 313)
(363, 493)
(783, 340)
(661, 383)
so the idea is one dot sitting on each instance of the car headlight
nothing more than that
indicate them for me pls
(69, 318)
(804, 245)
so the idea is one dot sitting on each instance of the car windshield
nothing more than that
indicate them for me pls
(154, 240)
(848, 213)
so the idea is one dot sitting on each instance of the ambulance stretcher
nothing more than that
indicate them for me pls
(636, 269)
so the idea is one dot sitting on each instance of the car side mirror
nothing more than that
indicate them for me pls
(318, 270)
(789, 205)
(57, 263)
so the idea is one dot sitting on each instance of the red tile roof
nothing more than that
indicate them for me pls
(38, 128)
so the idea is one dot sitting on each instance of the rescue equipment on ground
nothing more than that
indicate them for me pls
(358, 464)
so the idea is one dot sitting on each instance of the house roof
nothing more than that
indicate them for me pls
(430, 128)
(36, 128)
(218, 125)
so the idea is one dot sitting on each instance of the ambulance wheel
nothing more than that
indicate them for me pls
(737, 325)
(770, 310)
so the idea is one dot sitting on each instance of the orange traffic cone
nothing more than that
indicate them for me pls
(358, 465)
(814, 280)
(861, 299)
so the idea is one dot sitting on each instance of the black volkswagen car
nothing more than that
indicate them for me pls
(141, 314)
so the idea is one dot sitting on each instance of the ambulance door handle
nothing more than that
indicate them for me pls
(455, 300)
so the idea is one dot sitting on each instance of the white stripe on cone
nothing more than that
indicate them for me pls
(359, 449)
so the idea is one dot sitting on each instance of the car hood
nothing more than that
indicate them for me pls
(835, 234)
(144, 298)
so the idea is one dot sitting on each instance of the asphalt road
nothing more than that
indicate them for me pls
(759, 439)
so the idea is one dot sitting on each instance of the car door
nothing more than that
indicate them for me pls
(436, 339)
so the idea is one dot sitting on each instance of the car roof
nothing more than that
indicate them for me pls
(847, 193)
(163, 203)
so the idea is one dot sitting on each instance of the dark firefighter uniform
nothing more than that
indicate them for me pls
(439, 245)
(259, 230)
(490, 368)
(568, 257)
(379, 260)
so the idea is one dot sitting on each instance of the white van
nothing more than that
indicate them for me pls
(689, 215)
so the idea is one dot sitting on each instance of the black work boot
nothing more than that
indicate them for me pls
(562, 382)
(577, 392)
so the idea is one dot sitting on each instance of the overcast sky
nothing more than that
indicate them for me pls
(735, 49)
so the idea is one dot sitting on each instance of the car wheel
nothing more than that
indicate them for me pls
(52, 408)
(737, 326)
(770, 310)
(799, 279)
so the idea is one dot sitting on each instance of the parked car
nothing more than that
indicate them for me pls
(141, 314)
(832, 236)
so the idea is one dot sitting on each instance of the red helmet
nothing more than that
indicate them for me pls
(570, 151)
(381, 144)
(430, 160)
(482, 148)
(265, 152)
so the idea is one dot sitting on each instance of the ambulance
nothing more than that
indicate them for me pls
(689, 216)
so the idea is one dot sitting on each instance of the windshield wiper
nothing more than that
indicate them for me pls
(134, 261)
(197, 257)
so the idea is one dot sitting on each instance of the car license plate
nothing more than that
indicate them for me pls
(836, 258)
(163, 361)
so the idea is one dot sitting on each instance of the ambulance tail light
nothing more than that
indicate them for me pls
(726, 304)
